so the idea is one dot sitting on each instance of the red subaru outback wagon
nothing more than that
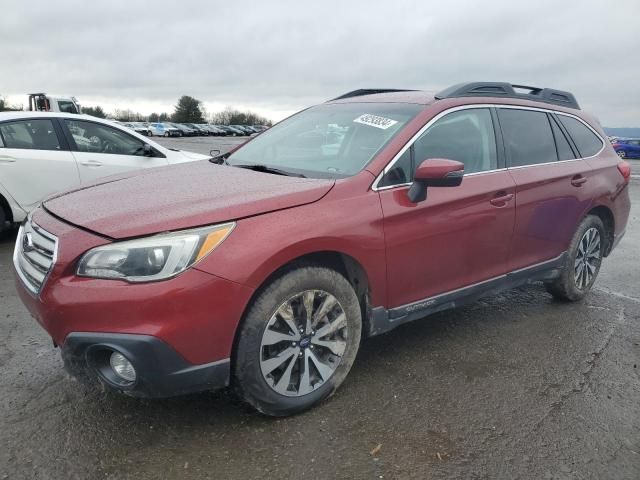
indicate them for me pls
(266, 266)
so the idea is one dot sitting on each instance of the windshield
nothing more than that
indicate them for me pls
(67, 106)
(327, 141)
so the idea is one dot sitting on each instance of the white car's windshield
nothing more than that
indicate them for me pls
(331, 140)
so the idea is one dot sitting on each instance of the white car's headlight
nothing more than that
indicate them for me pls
(152, 258)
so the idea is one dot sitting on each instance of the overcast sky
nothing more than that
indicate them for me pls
(277, 57)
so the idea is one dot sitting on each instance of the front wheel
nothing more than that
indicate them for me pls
(583, 261)
(298, 341)
(622, 153)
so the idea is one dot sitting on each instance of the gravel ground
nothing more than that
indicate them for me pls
(514, 386)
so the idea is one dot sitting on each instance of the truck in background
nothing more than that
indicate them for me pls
(41, 102)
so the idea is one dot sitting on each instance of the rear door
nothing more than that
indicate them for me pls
(35, 160)
(102, 150)
(459, 235)
(550, 182)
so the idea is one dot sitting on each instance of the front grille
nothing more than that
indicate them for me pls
(34, 255)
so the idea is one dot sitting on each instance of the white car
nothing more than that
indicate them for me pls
(164, 129)
(42, 153)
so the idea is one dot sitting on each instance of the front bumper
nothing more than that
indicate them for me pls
(160, 370)
(179, 331)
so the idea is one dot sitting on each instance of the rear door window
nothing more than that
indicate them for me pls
(35, 134)
(528, 137)
(588, 143)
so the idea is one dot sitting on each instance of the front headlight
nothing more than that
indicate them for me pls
(153, 258)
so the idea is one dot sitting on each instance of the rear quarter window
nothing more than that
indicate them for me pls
(588, 143)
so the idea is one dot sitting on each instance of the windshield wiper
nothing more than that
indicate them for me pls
(256, 167)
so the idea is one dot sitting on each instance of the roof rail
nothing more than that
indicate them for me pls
(507, 90)
(369, 91)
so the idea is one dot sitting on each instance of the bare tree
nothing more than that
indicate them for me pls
(233, 116)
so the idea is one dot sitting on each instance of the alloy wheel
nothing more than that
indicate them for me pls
(303, 343)
(587, 259)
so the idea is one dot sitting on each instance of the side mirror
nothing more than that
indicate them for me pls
(435, 172)
(147, 151)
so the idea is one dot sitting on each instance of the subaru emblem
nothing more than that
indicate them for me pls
(27, 243)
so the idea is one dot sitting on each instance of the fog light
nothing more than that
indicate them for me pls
(122, 367)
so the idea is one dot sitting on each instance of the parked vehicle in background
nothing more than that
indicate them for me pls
(231, 131)
(627, 147)
(212, 130)
(185, 131)
(220, 131)
(41, 102)
(138, 128)
(43, 153)
(247, 271)
(198, 129)
(143, 128)
(243, 129)
(260, 128)
(251, 129)
(164, 129)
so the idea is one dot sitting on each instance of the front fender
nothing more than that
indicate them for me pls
(261, 245)
(18, 213)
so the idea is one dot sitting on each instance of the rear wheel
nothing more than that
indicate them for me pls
(583, 261)
(298, 341)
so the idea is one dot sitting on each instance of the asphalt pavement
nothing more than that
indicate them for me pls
(514, 386)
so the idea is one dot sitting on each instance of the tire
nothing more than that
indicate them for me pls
(622, 153)
(266, 339)
(166, 134)
(3, 220)
(572, 285)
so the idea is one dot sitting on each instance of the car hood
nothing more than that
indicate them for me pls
(191, 156)
(179, 197)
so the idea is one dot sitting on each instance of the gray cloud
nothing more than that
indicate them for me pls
(280, 56)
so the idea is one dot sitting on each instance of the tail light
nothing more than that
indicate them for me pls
(625, 170)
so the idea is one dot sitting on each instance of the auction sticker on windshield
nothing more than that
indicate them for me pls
(375, 121)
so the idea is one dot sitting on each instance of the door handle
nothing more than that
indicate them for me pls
(7, 159)
(578, 181)
(91, 163)
(501, 199)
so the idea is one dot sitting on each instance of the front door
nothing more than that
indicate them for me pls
(459, 235)
(102, 150)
